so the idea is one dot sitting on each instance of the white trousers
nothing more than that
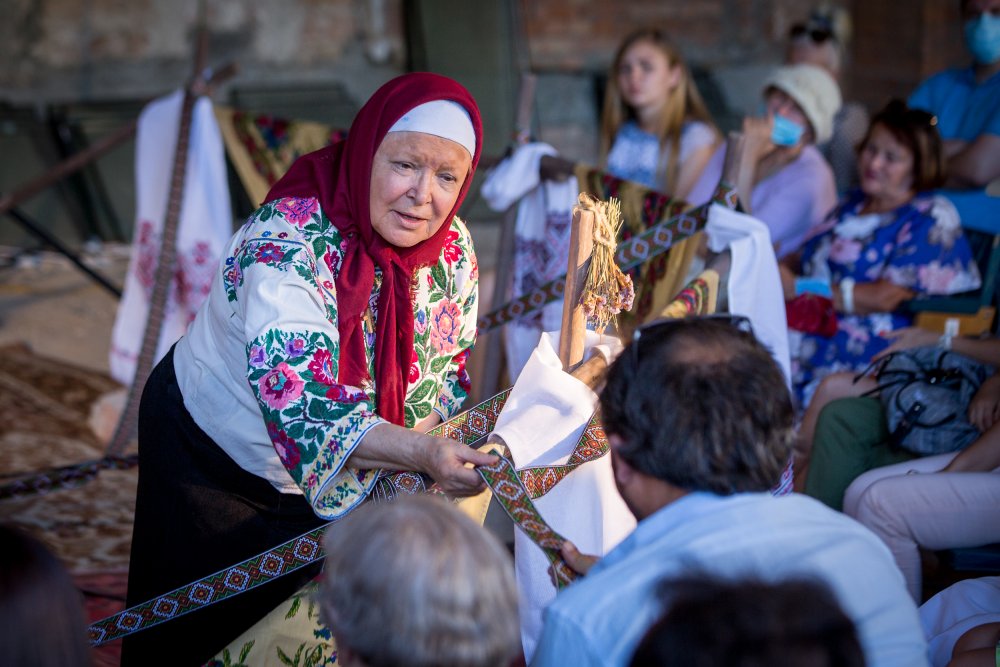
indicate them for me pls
(926, 508)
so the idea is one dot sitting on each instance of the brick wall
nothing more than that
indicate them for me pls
(72, 51)
(570, 34)
(314, 58)
(898, 44)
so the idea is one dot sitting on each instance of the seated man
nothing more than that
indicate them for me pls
(699, 420)
(966, 102)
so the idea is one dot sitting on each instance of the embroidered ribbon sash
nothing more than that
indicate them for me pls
(513, 491)
(630, 254)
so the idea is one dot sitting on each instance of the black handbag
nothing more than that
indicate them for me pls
(925, 393)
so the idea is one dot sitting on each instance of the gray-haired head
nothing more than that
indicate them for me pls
(416, 582)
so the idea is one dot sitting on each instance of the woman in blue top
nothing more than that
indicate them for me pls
(655, 128)
(885, 243)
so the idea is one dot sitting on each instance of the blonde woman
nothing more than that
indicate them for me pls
(655, 128)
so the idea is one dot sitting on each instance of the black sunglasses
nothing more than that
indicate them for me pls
(913, 117)
(738, 322)
(816, 34)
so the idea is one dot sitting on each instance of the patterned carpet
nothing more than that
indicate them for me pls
(45, 405)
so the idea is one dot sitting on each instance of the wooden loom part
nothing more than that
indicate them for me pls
(163, 278)
(574, 321)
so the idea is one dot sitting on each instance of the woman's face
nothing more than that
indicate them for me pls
(885, 166)
(416, 180)
(645, 77)
(778, 102)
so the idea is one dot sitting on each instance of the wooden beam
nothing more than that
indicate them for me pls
(574, 322)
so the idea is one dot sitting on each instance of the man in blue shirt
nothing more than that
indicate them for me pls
(699, 420)
(966, 102)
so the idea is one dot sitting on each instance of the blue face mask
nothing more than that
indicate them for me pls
(786, 132)
(982, 35)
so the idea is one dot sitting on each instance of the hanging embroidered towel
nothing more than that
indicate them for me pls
(541, 241)
(541, 423)
(205, 225)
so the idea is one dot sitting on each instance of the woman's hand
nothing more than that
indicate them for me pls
(983, 455)
(880, 296)
(907, 339)
(447, 461)
(984, 408)
(787, 281)
(450, 463)
(757, 133)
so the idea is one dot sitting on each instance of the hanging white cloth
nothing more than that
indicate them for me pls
(204, 227)
(541, 423)
(541, 240)
(754, 285)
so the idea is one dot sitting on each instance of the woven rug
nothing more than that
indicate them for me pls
(45, 407)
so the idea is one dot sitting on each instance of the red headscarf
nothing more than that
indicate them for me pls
(339, 176)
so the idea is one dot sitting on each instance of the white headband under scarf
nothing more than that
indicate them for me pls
(442, 118)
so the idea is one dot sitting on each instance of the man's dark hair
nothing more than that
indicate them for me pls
(749, 623)
(701, 405)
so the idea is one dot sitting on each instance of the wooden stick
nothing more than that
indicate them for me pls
(71, 164)
(490, 377)
(574, 322)
(739, 169)
(80, 160)
(525, 103)
(494, 362)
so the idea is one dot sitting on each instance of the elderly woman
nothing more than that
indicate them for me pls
(416, 582)
(884, 244)
(784, 180)
(336, 332)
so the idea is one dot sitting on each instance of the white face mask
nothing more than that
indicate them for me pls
(982, 36)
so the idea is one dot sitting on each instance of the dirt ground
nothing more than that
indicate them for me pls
(49, 304)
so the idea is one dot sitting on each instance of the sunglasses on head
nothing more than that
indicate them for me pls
(916, 117)
(738, 322)
(817, 34)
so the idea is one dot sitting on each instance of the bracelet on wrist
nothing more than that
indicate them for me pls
(847, 295)
(950, 331)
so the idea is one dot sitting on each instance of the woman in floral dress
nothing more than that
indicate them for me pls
(336, 333)
(886, 243)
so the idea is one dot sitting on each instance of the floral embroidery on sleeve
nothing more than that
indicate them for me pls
(284, 272)
(313, 422)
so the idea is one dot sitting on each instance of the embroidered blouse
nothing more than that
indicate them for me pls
(636, 154)
(258, 370)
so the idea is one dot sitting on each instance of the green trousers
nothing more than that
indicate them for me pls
(851, 438)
